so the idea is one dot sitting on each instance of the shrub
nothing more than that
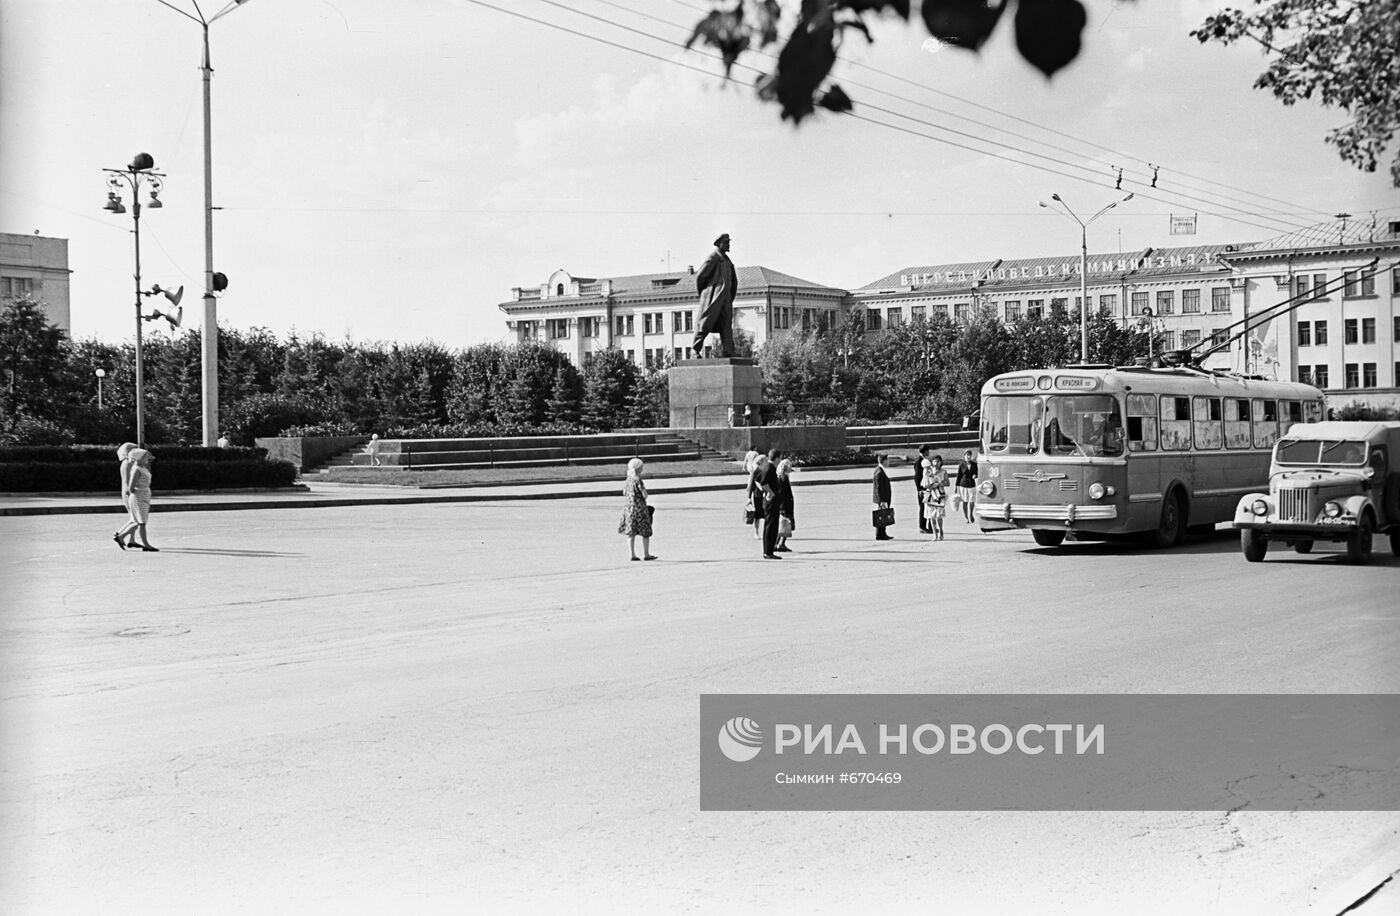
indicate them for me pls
(98, 477)
(1358, 411)
(826, 458)
(34, 431)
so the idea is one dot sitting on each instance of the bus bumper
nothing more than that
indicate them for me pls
(1067, 514)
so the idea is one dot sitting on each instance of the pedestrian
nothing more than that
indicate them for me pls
(921, 465)
(124, 458)
(224, 441)
(966, 483)
(936, 496)
(768, 485)
(373, 449)
(882, 495)
(755, 492)
(717, 283)
(136, 490)
(787, 523)
(636, 514)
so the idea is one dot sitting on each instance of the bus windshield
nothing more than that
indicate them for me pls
(1010, 426)
(1087, 425)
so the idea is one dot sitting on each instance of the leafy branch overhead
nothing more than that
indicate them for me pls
(1047, 35)
(1341, 54)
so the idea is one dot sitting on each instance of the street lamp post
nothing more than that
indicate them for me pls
(214, 282)
(139, 172)
(1083, 266)
(101, 374)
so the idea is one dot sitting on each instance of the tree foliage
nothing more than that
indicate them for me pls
(1047, 36)
(1341, 53)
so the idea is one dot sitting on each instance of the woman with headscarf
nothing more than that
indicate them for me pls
(124, 458)
(756, 468)
(636, 514)
(136, 490)
(786, 522)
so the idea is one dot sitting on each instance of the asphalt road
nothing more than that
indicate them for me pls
(486, 707)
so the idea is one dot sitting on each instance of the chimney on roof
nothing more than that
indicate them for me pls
(691, 269)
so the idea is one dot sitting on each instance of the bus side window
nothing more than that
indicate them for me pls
(1237, 423)
(1313, 411)
(1206, 423)
(1176, 423)
(1291, 412)
(1265, 422)
(1142, 423)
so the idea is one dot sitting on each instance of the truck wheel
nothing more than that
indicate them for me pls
(1254, 545)
(1359, 542)
(1048, 538)
(1168, 532)
(1303, 546)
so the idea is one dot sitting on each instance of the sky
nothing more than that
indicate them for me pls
(389, 171)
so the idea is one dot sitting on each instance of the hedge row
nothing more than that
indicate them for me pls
(81, 454)
(97, 477)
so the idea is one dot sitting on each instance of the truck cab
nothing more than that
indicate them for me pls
(1332, 481)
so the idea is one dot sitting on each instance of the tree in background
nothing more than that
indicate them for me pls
(608, 381)
(34, 355)
(1342, 54)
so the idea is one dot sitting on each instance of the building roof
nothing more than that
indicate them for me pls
(680, 284)
(1331, 234)
(991, 274)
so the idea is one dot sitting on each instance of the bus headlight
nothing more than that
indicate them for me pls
(1332, 510)
(1259, 507)
(1096, 491)
(987, 488)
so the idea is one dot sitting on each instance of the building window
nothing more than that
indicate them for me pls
(1319, 286)
(1353, 375)
(1304, 334)
(1301, 283)
(1368, 283)
(16, 287)
(1305, 374)
(556, 328)
(559, 289)
(1058, 305)
(1349, 334)
(1166, 301)
(1217, 336)
(872, 319)
(940, 310)
(1013, 312)
(683, 321)
(1220, 298)
(1368, 375)
(678, 354)
(918, 313)
(654, 323)
(1396, 319)
(1359, 284)
(1108, 303)
(1140, 302)
(587, 358)
(1190, 302)
(962, 311)
(1368, 330)
(893, 318)
(1320, 333)
(1168, 340)
(1035, 308)
(631, 356)
(1320, 376)
(1189, 339)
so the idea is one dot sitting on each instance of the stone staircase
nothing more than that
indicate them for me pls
(526, 451)
(942, 436)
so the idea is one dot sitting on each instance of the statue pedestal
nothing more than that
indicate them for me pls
(704, 391)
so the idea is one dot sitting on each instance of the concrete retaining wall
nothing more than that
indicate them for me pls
(737, 441)
(306, 452)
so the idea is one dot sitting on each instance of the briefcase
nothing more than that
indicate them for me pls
(882, 518)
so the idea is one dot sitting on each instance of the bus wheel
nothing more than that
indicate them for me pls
(1254, 545)
(1303, 546)
(1168, 531)
(1046, 537)
(1359, 542)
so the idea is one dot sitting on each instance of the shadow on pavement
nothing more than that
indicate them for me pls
(231, 552)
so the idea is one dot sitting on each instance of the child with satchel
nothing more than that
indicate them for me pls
(936, 496)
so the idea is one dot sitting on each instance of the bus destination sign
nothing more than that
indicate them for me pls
(1076, 383)
(1015, 383)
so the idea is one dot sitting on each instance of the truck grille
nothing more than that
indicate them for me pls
(1293, 506)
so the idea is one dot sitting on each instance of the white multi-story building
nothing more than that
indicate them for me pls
(651, 317)
(37, 267)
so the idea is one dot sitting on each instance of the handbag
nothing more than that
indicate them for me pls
(882, 518)
(749, 514)
(784, 526)
(651, 513)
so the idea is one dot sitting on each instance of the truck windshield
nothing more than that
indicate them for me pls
(1344, 452)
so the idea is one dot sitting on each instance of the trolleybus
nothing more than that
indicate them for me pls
(1099, 452)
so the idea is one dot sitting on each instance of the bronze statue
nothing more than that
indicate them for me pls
(717, 282)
